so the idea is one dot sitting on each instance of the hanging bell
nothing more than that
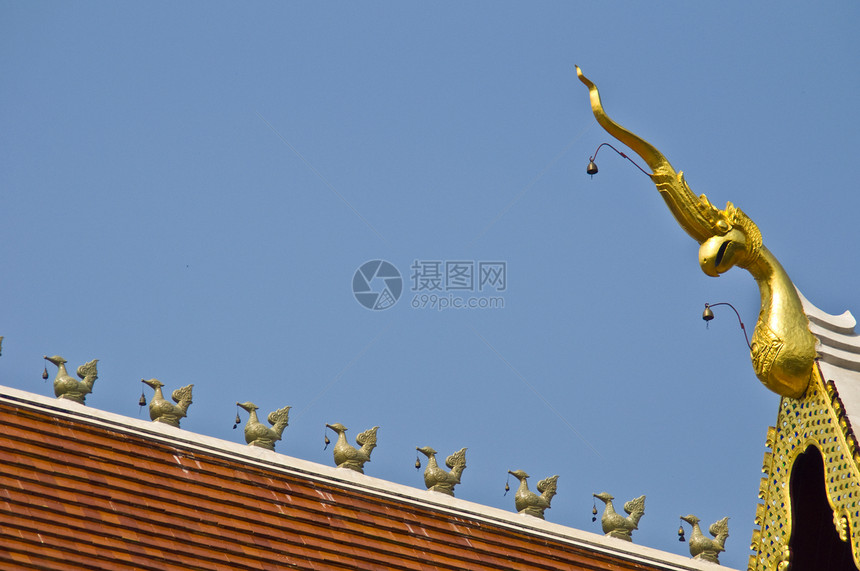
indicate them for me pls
(327, 442)
(45, 373)
(237, 421)
(594, 513)
(507, 488)
(142, 401)
(708, 314)
(417, 463)
(681, 533)
(591, 168)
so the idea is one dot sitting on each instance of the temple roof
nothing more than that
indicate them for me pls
(84, 488)
(838, 349)
(810, 514)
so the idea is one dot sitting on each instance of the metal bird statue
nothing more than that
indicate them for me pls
(437, 479)
(164, 411)
(257, 433)
(67, 387)
(530, 503)
(348, 456)
(616, 525)
(705, 548)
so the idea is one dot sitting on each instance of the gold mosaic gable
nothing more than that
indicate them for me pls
(816, 419)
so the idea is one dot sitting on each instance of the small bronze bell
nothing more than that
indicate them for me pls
(142, 401)
(237, 421)
(708, 314)
(507, 489)
(417, 462)
(681, 533)
(45, 374)
(327, 442)
(591, 168)
(594, 513)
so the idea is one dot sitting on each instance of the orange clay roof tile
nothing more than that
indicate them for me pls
(83, 489)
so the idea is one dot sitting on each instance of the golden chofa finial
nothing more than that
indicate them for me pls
(782, 348)
(67, 387)
(437, 479)
(162, 410)
(705, 548)
(257, 433)
(528, 502)
(616, 525)
(347, 455)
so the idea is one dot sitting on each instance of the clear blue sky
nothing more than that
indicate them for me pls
(187, 191)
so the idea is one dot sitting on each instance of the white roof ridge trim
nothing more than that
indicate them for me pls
(836, 341)
(849, 343)
(836, 357)
(354, 481)
(843, 323)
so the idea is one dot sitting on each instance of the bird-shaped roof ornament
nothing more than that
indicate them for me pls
(438, 479)
(348, 456)
(705, 548)
(164, 411)
(67, 387)
(530, 503)
(616, 525)
(782, 348)
(257, 433)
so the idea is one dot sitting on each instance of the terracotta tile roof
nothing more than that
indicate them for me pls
(85, 489)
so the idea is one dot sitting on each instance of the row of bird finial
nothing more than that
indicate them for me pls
(347, 456)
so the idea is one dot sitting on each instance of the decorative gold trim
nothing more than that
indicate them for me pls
(817, 419)
(782, 349)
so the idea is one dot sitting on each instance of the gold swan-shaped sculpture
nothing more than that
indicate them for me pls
(705, 548)
(348, 456)
(529, 503)
(67, 387)
(616, 525)
(782, 348)
(438, 479)
(257, 433)
(164, 411)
